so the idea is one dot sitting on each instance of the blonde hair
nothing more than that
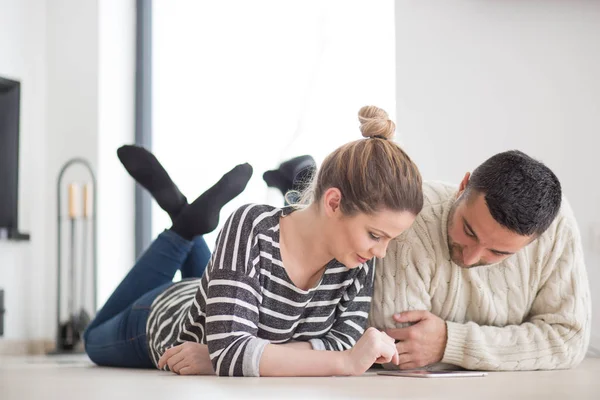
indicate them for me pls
(372, 174)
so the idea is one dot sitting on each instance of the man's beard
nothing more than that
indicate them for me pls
(455, 249)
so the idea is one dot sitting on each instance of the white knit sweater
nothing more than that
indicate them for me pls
(531, 311)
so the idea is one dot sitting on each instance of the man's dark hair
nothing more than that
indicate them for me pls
(521, 193)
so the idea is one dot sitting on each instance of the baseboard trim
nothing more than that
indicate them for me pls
(594, 349)
(13, 347)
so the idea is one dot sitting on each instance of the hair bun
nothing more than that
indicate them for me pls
(374, 121)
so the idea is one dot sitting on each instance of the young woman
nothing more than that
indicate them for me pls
(287, 290)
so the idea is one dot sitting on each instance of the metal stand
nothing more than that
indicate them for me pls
(69, 334)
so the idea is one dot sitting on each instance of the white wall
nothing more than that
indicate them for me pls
(76, 63)
(24, 264)
(72, 81)
(478, 77)
(116, 126)
(91, 66)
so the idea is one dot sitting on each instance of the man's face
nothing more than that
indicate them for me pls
(474, 236)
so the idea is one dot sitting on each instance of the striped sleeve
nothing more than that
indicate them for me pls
(233, 297)
(351, 314)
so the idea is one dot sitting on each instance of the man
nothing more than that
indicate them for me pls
(490, 277)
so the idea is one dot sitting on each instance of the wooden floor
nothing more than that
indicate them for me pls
(74, 377)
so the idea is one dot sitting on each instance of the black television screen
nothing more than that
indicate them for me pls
(10, 92)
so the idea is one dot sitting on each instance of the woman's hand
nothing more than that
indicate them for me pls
(189, 358)
(373, 347)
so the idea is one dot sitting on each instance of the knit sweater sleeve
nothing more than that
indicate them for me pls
(556, 332)
(402, 280)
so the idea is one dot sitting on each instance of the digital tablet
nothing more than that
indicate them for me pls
(433, 374)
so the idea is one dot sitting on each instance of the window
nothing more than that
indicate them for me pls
(260, 82)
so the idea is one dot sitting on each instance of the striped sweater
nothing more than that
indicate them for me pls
(246, 300)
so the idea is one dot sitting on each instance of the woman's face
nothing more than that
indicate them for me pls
(358, 238)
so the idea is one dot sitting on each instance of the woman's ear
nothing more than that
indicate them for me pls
(332, 199)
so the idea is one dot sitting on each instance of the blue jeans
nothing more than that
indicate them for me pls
(117, 335)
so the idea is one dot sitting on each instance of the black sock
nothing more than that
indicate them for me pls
(148, 172)
(291, 175)
(202, 216)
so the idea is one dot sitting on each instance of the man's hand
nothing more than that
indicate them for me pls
(189, 358)
(421, 344)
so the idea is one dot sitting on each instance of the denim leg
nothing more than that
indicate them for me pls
(197, 259)
(121, 341)
(156, 267)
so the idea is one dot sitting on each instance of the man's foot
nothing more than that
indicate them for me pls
(291, 175)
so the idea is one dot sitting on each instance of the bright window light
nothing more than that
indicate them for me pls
(262, 81)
